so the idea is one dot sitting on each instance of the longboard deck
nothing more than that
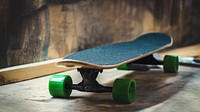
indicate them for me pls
(114, 55)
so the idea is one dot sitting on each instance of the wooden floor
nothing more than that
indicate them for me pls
(156, 92)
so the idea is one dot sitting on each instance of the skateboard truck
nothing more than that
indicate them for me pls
(89, 82)
(170, 64)
(143, 64)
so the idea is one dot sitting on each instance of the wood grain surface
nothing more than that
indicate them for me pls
(29, 71)
(193, 51)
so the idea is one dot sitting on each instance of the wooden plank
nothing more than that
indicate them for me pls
(185, 51)
(29, 71)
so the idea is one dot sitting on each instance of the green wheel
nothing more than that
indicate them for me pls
(58, 84)
(171, 64)
(123, 67)
(124, 91)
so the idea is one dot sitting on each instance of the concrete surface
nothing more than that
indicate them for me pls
(156, 92)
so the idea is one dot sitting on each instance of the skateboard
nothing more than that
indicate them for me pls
(92, 61)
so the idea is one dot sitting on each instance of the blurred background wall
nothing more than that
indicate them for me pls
(38, 30)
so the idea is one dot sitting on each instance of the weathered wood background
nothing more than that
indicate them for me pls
(37, 30)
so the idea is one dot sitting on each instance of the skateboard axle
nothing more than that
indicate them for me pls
(89, 82)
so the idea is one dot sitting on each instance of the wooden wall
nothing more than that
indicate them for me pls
(37, 30)
(26, 33)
